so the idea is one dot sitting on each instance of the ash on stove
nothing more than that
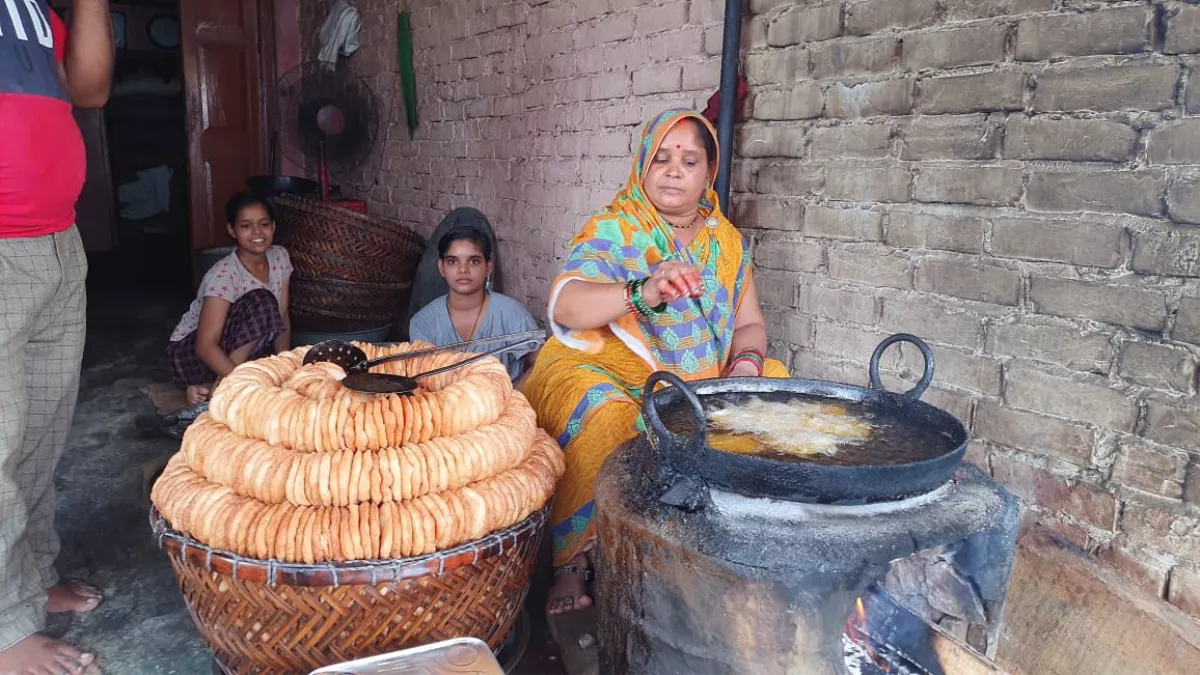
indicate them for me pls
(859, 661)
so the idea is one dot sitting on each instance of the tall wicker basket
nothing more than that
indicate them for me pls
(268, 618)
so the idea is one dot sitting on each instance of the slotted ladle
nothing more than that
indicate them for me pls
(384, 383)
(354, 360)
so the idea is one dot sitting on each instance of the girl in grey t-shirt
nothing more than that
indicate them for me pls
(470, 311)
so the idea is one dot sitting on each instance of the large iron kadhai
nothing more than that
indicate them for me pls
(688, 463)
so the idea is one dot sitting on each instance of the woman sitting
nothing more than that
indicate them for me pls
(470, 311)
(658, 280)
(241, 310)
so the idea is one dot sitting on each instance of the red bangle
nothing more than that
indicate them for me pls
(629, 299)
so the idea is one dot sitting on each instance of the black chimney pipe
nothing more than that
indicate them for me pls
(731, 51)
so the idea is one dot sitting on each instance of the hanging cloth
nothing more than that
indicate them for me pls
(339, 34)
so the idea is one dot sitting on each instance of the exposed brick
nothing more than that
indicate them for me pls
(853, 344)
(789, 179)
(1175, 142)
(854, 56)
(1177, 427)
(1142, 467)
(956, 47)
(864, 141)
(964, 10)
(764, 6)
(810, 364)
(1082, 501)
(1191, 95)
(869, 16)
(1122, 30)
(1191, 484)
(1121, 305)
(956, 402)
(776, 140)
(1033, 433)
(789, 327)
(702, 75)
(1187, 321)
(873, 269)
(612, 28)
(1168, 252)
(800, 25)
(767, 212)
(1183, 29)
(1184, 590)
(1067, 347)
(850, 183)
(1183, 199)
(930, 321)
(837, 303)
(1084, 400)
(614, 85)
(706, 11)
(987, 186)
(933, 231)
(803, 101)
(1145, 86)
(983, 92)
(1068, 139)
(661, 16)
(1143, 570)
(775, 289)
(657, 79)
(851, 224)
(1174, 530)
(777, 66)
(788, 252)
(969, 280)
(950, 137)
(889, 97)
(1136, 192)
(954, 368)
(1067, 241)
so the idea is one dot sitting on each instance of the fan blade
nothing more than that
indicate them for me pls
(408, 76)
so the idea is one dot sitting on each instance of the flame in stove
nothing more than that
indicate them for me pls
(856, 630)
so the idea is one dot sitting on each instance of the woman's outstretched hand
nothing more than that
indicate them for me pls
(671, 281)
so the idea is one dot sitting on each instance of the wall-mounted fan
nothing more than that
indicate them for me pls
(331, 118)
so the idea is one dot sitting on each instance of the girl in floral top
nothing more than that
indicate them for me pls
(241, 310)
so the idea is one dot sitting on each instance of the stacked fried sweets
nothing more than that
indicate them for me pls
(289, 464)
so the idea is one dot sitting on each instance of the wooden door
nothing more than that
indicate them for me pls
(228, 58)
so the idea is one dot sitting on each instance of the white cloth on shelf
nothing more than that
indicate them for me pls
(148, 195)
(339, 34)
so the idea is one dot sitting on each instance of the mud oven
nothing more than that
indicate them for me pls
(712, 562)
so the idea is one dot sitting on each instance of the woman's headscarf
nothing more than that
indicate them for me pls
(626, 241)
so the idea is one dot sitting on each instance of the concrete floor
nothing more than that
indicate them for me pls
(143, 627)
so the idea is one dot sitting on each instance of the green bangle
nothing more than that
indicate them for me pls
(639, 302)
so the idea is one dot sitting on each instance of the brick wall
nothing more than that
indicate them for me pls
(1017, 181)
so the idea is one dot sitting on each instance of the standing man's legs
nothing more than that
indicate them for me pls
(42, 314)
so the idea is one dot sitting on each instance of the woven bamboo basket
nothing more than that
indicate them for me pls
(363, 248)
(324, 297)
(270, 618)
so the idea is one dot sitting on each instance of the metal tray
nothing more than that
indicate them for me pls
(462, 656)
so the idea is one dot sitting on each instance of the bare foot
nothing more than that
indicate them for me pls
(40, 655)
(569, 592)
(198, 393)
(73, 595)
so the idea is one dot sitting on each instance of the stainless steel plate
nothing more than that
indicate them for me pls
(463, 656)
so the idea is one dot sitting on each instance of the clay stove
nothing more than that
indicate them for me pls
(701, 579)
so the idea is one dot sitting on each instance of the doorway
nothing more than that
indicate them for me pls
(181, 133)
